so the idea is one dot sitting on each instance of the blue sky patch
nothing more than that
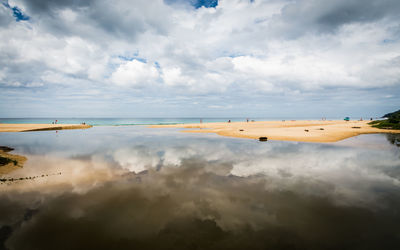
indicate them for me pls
(17, 12)
(134, 57)
(196, 3)
(204, 3)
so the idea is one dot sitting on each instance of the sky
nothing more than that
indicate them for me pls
(199, 58)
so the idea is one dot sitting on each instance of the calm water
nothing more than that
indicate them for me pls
(131, 187)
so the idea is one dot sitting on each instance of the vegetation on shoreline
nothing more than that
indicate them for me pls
(392, 121)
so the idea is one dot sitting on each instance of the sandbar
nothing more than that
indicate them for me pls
(39, 127)
(288, 130)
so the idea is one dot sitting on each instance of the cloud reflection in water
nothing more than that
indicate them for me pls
(201, 192)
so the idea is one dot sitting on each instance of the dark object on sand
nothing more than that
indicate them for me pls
(321, 129)
(6, 149)
(262, 138)
(355, 127)
(241, 130)
(4, 161)
(306, 130)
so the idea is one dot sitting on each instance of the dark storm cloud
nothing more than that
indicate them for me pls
(49, 6)
(297, 17)
(189, 208)
(123, 22)
(327, 16)
(359, 11)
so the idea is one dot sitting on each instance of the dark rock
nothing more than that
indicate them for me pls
(306, 130)
(262, 138)
(4, 161)
(6, 149)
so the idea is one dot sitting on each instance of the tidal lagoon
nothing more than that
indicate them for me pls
(132, 187)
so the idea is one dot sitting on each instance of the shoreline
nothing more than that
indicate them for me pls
(25, 127)
(292, 130)
(286, 130)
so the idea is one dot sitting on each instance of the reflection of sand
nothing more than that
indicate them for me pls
(303, 131)
(14, 162)
(39, 127)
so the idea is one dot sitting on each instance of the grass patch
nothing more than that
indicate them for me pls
(392, 121)
(386, 124)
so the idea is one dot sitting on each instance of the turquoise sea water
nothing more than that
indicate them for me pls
(115, 121)
(137, 121)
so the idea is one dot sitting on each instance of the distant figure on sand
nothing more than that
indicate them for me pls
(229, 121)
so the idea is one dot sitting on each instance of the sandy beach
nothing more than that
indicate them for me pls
(40, 127)
(301, 131)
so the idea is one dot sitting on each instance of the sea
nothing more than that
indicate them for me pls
(144, 121)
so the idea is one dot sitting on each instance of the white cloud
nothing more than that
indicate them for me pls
(174, 77)
(234, 50)
(135, 73)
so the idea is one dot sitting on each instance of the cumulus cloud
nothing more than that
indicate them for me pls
(134, 73)
(209, 49)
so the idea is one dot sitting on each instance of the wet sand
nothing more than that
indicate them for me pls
(40, 127)
(301, 131)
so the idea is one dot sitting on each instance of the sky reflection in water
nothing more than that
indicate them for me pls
(133, 187)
